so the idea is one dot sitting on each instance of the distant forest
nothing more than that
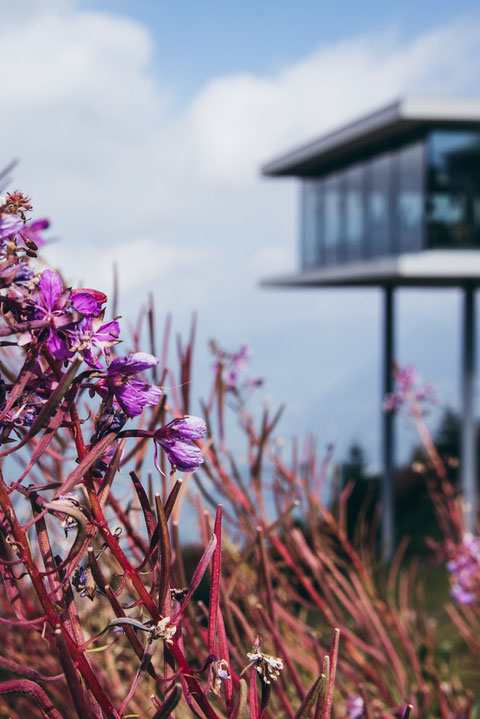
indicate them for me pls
(414, 512)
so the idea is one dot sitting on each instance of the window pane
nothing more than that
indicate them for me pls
(331, 219)
(378, 205)
(410, 197)
(453, 189)
(355, 212)
(311, 214)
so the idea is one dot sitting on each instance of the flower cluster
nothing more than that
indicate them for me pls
(230, 366)
(64, 324)
(464, 568)
(407, 388)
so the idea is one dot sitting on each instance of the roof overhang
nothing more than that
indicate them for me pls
(392, 124)
(433, 268)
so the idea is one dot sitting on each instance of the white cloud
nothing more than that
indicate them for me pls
(175, 196)
(104, 152)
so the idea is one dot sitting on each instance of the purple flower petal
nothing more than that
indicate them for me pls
(184, 455)
(131, 364)
(57, 346)
(9, 225)
(36, 225)
(86, 304)
(189, 427)
(106, 334)
(134, 395)
(90, 359)
(51, 287)
(32, 231)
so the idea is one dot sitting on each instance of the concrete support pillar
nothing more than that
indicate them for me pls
(388, 449)
(468, 452)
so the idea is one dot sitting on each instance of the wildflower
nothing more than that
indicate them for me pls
(355, 706)
(92, 333)
(267, 666)
(98, 296)
(230, 366)
(131, 393)
(52, 304)
(254, 381)
(464, 568)
(32, 231)
(240, 358)
(177, 439)
(408, 388)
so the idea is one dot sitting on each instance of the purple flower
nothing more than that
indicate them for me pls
(408, 389)
(177, 439)
(9, 224)
(464, 568)
(232, 365)
(52, 303)
(92, 333)
(254, 382)
(33, 231)
(240, 359)
(66, 309)
(355, 706)
(131, 393)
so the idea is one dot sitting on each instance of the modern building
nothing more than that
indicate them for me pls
(393, 200)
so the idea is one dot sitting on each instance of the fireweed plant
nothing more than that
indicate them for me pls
(105, 613)
(459, 550)
(88, 622)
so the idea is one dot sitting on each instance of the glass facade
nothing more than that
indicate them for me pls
(370, 209)
(422, 195)
(453, 182)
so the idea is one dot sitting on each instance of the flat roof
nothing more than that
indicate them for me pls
(431, 268)
(386, 126)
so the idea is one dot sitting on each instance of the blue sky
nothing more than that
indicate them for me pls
(200, 40)
(141, 127)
